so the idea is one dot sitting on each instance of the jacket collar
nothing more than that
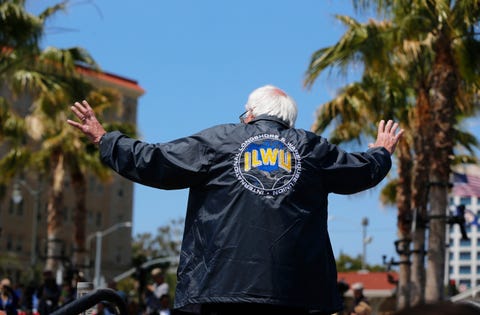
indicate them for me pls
(269, 118)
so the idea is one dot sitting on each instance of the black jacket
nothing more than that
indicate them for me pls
(256, 222)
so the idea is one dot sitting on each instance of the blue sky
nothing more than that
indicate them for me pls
(198, 61)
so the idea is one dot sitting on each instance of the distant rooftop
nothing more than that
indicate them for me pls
(112, 78)
(374, 283)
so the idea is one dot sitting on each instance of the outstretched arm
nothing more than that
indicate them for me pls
(387, 136)
(89, 125)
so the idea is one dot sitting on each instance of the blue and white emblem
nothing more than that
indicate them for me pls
(267, 165)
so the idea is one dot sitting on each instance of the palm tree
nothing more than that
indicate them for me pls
(375, 98)
(443, 31)
(62, 149)
(42, 141)
(405, 46)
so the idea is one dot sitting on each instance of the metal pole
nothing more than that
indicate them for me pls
(36, 211)
(364, 241)
(98, 251)
(98, 258)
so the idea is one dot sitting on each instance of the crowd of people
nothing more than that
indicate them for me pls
(48, 296)
(42, 299)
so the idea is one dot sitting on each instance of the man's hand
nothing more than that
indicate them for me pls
(386, 136)
(89, 124)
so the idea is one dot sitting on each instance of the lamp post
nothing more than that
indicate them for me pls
(98, 248)
(17, 199)
(365, 240)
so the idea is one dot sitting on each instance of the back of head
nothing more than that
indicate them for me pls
(270, 100)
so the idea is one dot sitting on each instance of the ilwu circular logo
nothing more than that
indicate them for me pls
(267, 165)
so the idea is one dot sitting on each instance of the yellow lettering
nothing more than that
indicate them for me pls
(285, 161)
(269, 156)
(255, 161)
(247, 165)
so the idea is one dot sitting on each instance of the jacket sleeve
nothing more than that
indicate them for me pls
(349, 173)
(177, 164)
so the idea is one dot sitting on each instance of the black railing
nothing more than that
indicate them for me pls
(85, 302)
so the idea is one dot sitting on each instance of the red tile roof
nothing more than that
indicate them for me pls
(370, 280)
(113, 78)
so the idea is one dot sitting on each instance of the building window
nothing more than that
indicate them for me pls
(466, 283)
(98, 219)
(464, 270)
(478, 269)
(19, 245)
(450, 270)
(450, 256)
(465, 243)
(465, 200)
(16, 208)
(478, 255)
(465, 256)
(9, 242)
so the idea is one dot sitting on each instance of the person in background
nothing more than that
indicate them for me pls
(164, 305)
(155, 291)
(48, 294)
(8, 298)
(358, 295)
(255, 238)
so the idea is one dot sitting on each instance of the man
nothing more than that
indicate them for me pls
(8, 298)
(48, 294)
(155, 291)
(255, 238)
(358, 296)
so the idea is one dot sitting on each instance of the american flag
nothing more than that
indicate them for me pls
(465, 185)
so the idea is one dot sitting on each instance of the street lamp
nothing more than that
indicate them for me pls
(17, 199)
(98, 250)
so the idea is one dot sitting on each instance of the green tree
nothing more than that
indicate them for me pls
(403, 53)
(348, 263)
(49, 79)
(166, 243)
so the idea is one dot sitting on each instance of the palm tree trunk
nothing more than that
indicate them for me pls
(420, 192)
(443, 90)
(403, 196)
(54, 212)
(79, 185)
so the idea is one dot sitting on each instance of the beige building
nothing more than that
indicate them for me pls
(109, 206)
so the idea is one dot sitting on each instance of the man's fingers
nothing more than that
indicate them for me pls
(74, 124)
(388, 126)
(81, 108)
(394, 128)
(399, 134)
(381, 126)
(77, 112)
(87, 106)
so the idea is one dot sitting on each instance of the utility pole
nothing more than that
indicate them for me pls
(365, 241)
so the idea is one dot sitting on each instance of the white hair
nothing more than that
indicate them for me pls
(270, 100)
